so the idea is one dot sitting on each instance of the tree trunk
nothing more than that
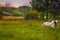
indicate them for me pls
(47, 15)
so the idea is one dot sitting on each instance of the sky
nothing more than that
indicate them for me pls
(17, 2)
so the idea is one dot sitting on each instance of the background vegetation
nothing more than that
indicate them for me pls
(30, 28)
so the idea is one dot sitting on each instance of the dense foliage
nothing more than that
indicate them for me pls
(32, 14)
(47, 6)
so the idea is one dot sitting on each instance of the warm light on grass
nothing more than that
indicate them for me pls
(27, 30)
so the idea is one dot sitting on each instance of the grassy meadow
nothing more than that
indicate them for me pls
(27, 30)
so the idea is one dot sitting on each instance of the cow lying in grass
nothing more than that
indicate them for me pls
(50, 24)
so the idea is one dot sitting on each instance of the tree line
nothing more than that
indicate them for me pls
(41, 9)
(47, 6)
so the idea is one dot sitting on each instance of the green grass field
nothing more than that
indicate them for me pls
(27, 30)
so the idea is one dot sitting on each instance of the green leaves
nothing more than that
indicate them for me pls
(52, 6)
(17, 13)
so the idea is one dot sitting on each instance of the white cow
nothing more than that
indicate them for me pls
(50, 24)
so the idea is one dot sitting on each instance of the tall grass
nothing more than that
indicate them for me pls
(27, 30)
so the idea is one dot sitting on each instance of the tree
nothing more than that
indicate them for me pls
(1, 12)
(55, 8)
(24, 9)
(46, 6)
(40, 5)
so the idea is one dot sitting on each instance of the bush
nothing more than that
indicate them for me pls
(17, 13)
(33, 14)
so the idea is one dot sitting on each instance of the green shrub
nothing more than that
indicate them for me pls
(33, 14)
(17, 13)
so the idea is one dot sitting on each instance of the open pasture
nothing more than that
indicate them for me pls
(27, 30)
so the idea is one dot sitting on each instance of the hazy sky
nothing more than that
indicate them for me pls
(17, 2)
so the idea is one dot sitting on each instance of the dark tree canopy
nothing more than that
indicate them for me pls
(47, 5)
